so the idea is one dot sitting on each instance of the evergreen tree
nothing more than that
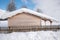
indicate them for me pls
(11, 6)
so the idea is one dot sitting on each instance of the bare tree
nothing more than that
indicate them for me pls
(39, 10)
(24, 6)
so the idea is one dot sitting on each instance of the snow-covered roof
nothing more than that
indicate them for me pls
(10, 14)
(1, 11)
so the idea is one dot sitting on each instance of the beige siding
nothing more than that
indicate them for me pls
(23, 21)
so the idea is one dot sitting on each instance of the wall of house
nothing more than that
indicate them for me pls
(24, 21)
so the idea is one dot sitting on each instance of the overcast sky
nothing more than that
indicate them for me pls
(49, 7)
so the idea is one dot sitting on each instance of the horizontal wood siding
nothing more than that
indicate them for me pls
(24, 21)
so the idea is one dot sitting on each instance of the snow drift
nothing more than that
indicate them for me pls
(38, 35)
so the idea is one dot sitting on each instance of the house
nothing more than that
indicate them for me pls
(25, 19)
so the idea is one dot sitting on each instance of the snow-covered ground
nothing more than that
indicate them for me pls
(37, 35)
